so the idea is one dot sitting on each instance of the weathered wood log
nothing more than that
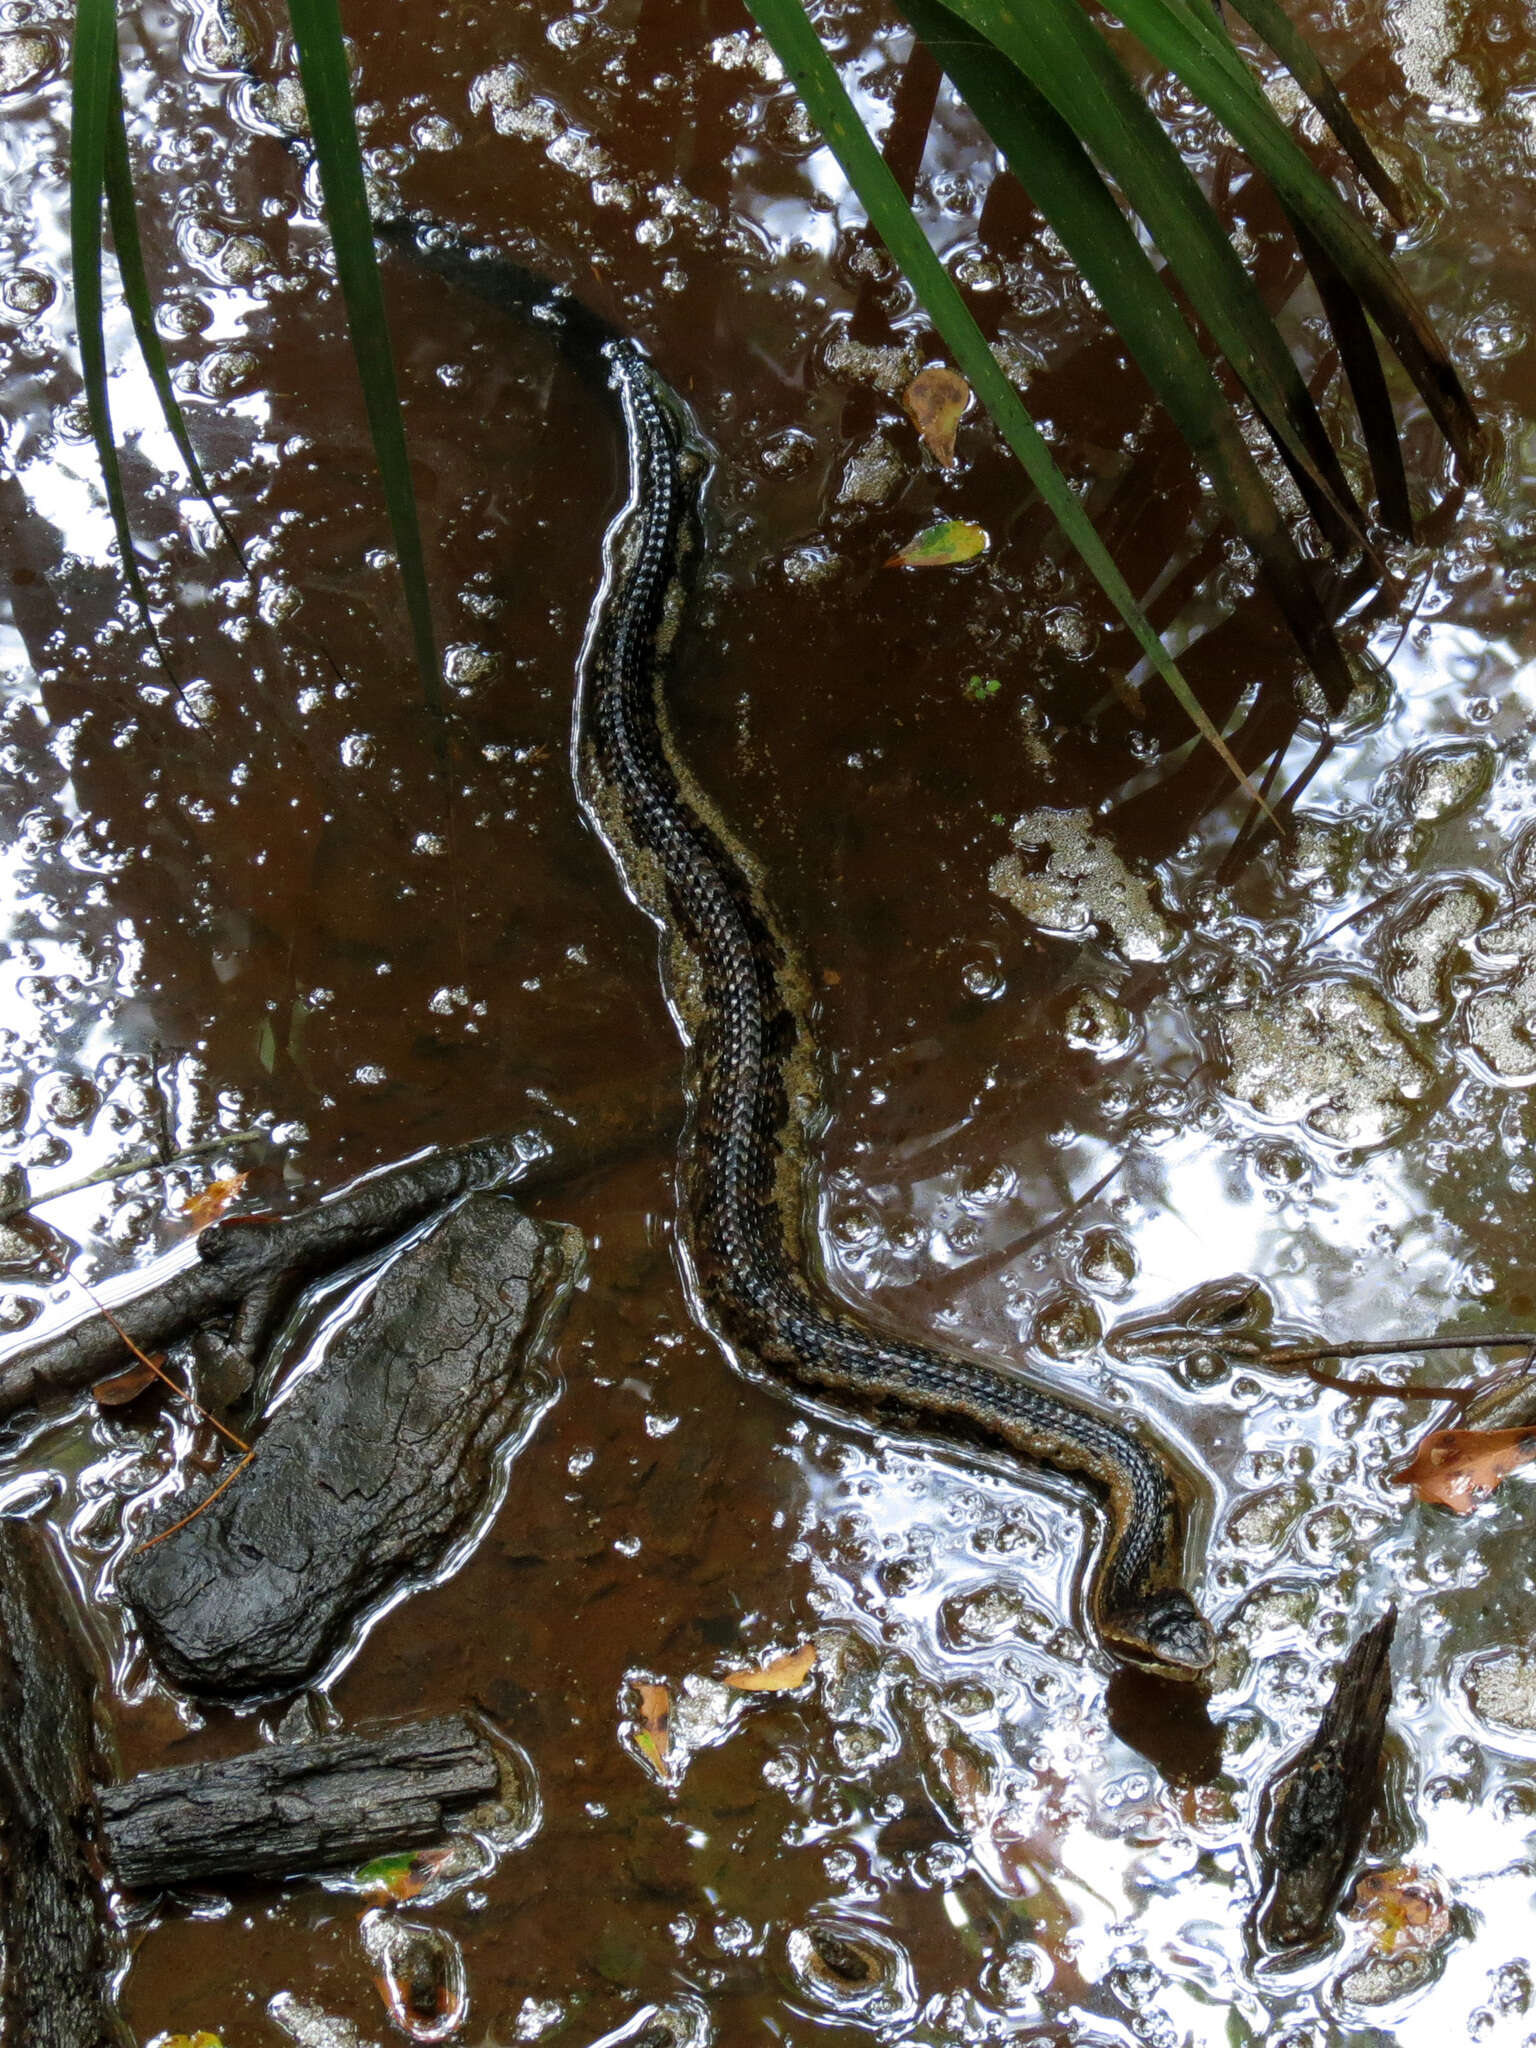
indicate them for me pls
(54, 1928)
(366, 1474)
(251, 1269)
(297, 1806)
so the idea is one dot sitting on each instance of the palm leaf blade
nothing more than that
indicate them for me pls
(1056, 170)
(1056, 46)
(795, 44)
(324, 73)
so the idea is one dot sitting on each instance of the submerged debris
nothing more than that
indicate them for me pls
(1319, 1806)
(420, 1974)
(367, 1474)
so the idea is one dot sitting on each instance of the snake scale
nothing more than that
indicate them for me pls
(742, 1007)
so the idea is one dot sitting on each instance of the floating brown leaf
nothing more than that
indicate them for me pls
(1457, 1468)
(653, 1722)
(123, 1387)
(782, 1674)
(943, 545)
(1403, 1908)
(208, 1206)
(936, 402)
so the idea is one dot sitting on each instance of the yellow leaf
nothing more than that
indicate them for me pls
(941, 546)
(1457, 1468)
(783, 1674)
(936, 401)
(201, 2039)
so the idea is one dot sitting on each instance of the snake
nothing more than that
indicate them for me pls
(742, 1004)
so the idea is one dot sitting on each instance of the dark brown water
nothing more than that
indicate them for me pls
(258, 904)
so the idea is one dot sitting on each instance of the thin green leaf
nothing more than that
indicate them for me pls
(1056, 171)
(795, 44)
(1272, 22)
(327, 86)
(1356, 345)
(93, 71)
(122, 212)
(1056, 46)
(1192, 44)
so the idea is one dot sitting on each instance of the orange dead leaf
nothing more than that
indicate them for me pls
(209, 1206)
(1402, 1908)
(1457, 1468)
(122, 1387)
(936, 402)
(782, 1674)
(653, 1723)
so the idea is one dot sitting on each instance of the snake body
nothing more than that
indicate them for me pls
(742, 1006)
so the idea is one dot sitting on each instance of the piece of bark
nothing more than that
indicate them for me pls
(1319, 1806)
(54, 1927)
(366, 1474)
(252, 1269)
(297, 1806)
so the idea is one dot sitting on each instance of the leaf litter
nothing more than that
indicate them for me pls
(936, 401)
(1459, 1468)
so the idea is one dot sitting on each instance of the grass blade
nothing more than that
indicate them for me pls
(1191, 43)
(327, 86)
(1056, 170)
(1368, 386)
(1271, 21)
(122, 213)
(93, 75)
(795, 43)
(1056, 46)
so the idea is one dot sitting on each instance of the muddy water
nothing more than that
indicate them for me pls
(251, 905)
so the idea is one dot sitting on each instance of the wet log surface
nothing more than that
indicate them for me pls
(250, 1270)
(54, 1990)
(366, 1473)
(299, 1806)
(1319, 1806)
(253, 1269)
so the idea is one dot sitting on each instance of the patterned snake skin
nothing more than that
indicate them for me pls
(742, 1009)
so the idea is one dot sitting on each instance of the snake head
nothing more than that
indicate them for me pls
(1164, 1633)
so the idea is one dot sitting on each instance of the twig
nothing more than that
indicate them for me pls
(206, 1502)
(1369, 1389)
(148, 1162)
(1375, 1347)
(153, 1364)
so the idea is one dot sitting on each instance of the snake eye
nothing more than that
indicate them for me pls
(1165, 1633)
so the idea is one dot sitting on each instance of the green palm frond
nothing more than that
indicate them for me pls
(1050, 85)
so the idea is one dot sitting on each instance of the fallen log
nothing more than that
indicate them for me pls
(55, 1934)
(296, 1807)
(250, 1270)
(367, 1473)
